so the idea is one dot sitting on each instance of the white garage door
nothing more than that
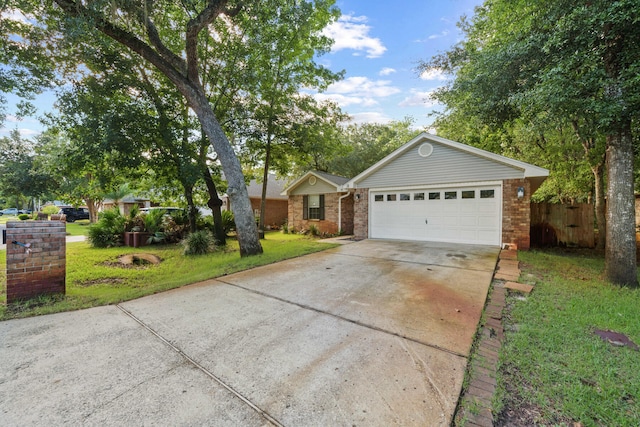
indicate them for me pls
(460, 215)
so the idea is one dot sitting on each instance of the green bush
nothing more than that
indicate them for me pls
(228, 221)
(107, 232)
(50, 210)
(198, 243)
(23, 217)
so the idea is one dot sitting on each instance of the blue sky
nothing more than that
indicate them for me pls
(378, 44)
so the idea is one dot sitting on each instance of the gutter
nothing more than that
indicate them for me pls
(340, 210)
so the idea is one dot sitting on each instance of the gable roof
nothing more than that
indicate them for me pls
(275, 187)
(535, 173)
(334, 181)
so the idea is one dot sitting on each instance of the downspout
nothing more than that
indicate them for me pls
(340, 210)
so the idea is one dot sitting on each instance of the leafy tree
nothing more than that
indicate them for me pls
(576, 63)
(20, 175)
(368, 143)
(149, 29)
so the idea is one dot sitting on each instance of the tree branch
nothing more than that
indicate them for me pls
(195, 25)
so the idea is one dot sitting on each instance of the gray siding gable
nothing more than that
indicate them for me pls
(445, 165)
(320, 187)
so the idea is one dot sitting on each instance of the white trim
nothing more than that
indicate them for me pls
(297, 182)
(499, 196)
(447, 185)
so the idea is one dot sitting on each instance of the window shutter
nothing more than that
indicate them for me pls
(322, 206)
(305, 207)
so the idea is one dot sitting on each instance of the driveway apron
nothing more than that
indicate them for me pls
(369, 333)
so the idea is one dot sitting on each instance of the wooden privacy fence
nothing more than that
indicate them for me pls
(562, 225)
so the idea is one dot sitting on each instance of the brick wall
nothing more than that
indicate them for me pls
(361, 214)
(330, 223)
(275, 211)
(42, 269)
(516, 213)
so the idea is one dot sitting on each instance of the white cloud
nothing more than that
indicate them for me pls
(15, 15)
(433, 74)
(419, 99)
(444, 33)
(351, 32)
(370, 117)
(387, 71)
(358, 91)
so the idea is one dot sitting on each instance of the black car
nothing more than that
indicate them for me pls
(74, 214)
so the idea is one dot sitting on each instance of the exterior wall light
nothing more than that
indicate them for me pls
(520, 192)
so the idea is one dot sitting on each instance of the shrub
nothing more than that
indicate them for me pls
(313, 230)
(23, 217)
(228, 221)
(107, 232)
(198, 243)
(50, 210)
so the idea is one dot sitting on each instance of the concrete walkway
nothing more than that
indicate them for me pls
(369, 333)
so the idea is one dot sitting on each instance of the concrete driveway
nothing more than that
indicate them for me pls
(370, 333)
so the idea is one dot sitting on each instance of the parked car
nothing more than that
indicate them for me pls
(9, 211)
(74, 214)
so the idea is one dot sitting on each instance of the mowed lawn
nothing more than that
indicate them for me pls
(554, 369)
(95, 277)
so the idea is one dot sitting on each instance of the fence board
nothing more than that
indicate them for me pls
(562, 225)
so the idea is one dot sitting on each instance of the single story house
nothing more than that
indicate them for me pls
(126, 204)
(430, 189)
(275, 206)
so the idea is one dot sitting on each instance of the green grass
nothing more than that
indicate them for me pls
(78, 228)
(552, 364)
(94, 280)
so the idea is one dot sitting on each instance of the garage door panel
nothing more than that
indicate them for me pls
(464, 215)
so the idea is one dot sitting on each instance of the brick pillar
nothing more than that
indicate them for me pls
(40, 269)
(361, 214)
(516, 213)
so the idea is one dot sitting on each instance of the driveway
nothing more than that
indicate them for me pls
(369, 333)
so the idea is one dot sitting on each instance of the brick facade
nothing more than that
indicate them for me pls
(330, 223)
(276, 211)
(516, 213)
(361, 212)
(40, 269)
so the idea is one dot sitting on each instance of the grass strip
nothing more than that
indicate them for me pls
(95, 278)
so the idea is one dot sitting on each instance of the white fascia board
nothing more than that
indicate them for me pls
(298, 181)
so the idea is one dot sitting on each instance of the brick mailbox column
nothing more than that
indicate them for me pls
(39, 268)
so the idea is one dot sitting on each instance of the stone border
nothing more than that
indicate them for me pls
(475, 406)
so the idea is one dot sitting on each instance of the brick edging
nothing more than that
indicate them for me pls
(475, 404)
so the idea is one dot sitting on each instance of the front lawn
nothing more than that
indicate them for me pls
(554, 369)
(94, 277)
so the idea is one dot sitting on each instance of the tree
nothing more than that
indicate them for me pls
(20, 175)
(366, 144)
(149, 30)
(576, 63)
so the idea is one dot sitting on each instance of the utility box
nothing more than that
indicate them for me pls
(36, 259)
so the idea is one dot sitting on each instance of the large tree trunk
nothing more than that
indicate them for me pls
(600, 206)
(248, 239)
(192, 209)
(620, 254)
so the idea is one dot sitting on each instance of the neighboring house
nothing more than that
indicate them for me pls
(126, 203)
(317, 199)
(430, 189)
(276, 203)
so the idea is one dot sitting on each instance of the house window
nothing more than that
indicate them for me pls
(487, 194)
(418, 196)
(379, 198)
(450, 195)
(313, 206)
(391, 197)
(470, 194)
(434, 196)
(405, 196)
